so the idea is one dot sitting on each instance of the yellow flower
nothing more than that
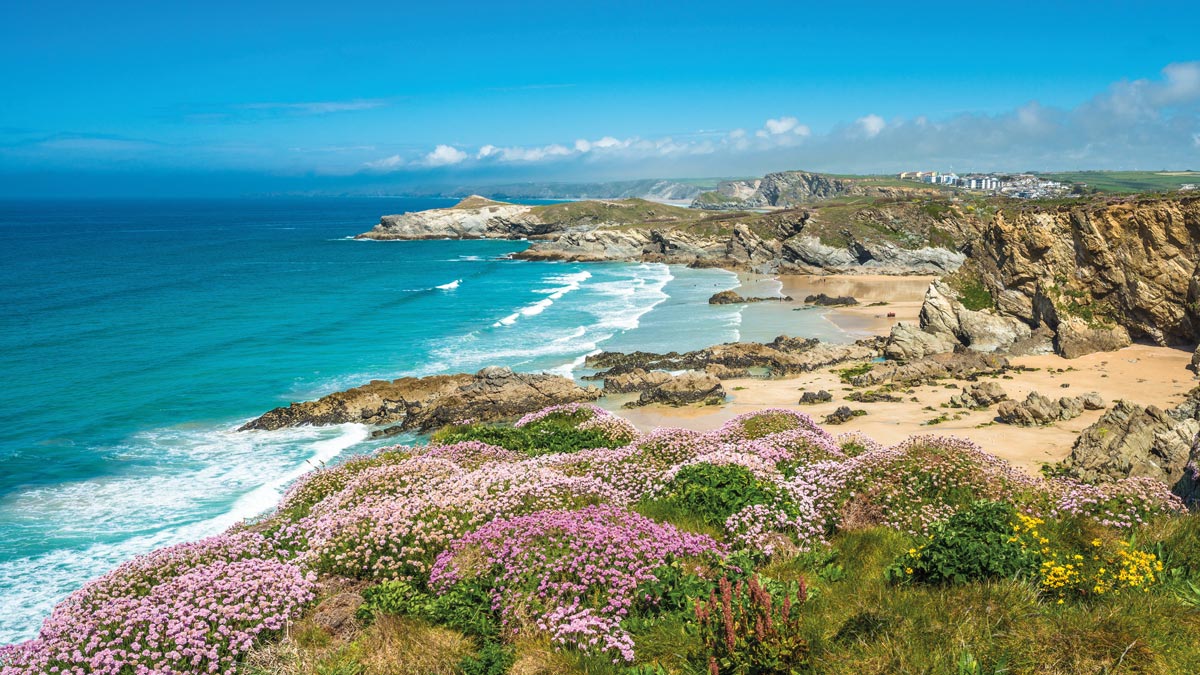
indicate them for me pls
(908, 570)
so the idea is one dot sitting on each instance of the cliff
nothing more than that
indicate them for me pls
(789, 189)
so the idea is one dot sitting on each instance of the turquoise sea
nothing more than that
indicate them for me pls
(136, 336)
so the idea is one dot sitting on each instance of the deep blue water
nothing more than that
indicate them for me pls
(135, 336)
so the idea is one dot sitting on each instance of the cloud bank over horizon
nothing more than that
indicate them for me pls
(1148, 123)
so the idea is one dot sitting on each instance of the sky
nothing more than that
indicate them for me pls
(233, 98)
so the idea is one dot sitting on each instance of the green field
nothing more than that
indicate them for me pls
(1128, 181)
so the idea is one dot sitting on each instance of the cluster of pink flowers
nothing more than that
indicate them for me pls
(553, 536)
(1125, 503)
(194, 608)
(616, 428)
(578, 571)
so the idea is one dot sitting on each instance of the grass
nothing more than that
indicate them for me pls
(1128, 181)
(972, 292)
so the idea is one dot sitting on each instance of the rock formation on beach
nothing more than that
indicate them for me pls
(424, 403)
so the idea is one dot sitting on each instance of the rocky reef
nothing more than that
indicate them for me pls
(425, 403)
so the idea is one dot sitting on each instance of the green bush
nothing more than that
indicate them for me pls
(466, 607)
(714, 492)
(973, 544)
(557, 433)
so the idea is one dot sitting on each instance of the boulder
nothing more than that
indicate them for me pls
(814, 397)
(979, 395)
(723, 372)
(782, 356)
(732, 298)
(1076, 338)
(960, 365)
(1196, 361)
(842, 415)
(425, 403)
(683, 389)
(908, 342)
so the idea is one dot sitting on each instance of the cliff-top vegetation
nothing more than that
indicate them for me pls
(571, 543)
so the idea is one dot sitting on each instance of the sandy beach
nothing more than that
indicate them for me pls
(1141, 373)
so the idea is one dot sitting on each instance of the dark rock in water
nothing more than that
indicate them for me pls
(812, 398)
(1136, 440)
(1038, 410)
(830, 301)
(842, 415)
(684, 389)
(426, 403)
(732, 298)
(979, 395)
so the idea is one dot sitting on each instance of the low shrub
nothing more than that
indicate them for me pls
(974, 544)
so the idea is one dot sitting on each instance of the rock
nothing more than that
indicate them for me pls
(1196, 360)
(958, 365)
(979, 395)
(908, 342)
(842, 415)
(812, 398)
(876, 396)
(723, 372)
(732, 298)
(1076, 338)
(1037, 410)
(1136, 440)
(830, 301)
(427, 403)
(684, 389)
(782, 356)
(1093, 401)
(635, 380)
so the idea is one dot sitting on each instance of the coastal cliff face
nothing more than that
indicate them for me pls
(1105, 271)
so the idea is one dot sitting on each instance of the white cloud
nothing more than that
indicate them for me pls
(444, 155)
(871, 125)
(1146, 122)
(315, 107)
(385, 164)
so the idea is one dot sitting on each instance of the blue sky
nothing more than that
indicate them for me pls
(129, 98)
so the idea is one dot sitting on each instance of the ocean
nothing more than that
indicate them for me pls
(136, 336)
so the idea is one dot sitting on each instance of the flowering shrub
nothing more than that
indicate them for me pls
(589, 416)
(574, 574)
(753, 628)
(1125, 503)
(189, 609)
(762, 423)
(973, 544)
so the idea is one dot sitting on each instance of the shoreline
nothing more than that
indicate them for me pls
(1145, 374)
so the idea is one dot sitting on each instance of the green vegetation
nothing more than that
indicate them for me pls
(625, 211)
(558, 433)
(972, 292)
(1128, 181)
(973, 545)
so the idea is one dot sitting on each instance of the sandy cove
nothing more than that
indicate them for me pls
(1141, 373)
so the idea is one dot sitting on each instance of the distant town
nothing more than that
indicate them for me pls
(1018, 185)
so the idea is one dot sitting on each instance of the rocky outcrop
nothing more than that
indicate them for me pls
(807, 254)
(946, 322)
(830, 301)
(1038, 410)
(683, 389)
(788, 189)
(979, 395)
(635, 380)
(957, 365)
(1100, 272)
(1195, 365)
(783, 356)
(473, 218)
(426, 403)
(732, 298)
(1136, 440)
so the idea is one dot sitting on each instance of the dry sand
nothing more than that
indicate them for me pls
(1140, 373)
